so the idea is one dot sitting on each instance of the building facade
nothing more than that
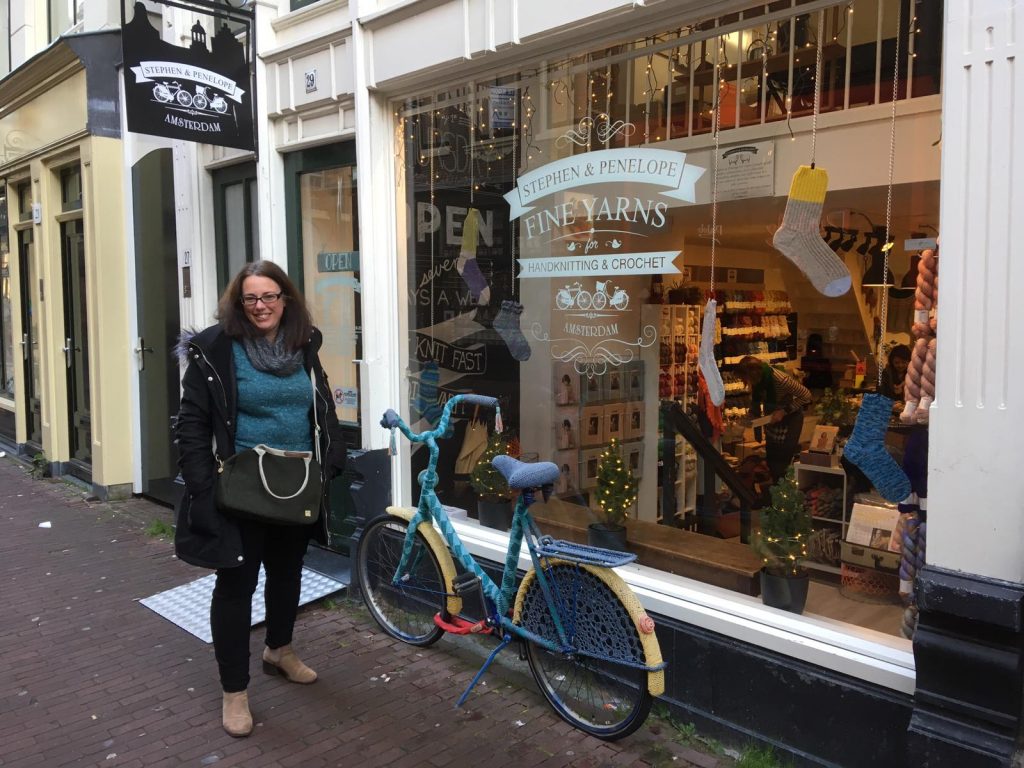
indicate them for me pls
(530, 200)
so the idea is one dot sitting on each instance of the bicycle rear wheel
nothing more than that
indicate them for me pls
(405, 610)
(599, 696)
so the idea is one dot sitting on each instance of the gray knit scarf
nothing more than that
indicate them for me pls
(271, 356)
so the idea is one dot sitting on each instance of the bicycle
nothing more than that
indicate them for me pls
(590, 646)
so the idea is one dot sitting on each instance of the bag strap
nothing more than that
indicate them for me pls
(262, 450)
(316, 421)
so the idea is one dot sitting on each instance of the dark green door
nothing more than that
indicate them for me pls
(156, 286)
(76, 346)
(31, 290)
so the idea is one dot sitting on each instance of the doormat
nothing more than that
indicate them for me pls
(188, 606)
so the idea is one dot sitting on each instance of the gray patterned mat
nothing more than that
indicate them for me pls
(188, 606)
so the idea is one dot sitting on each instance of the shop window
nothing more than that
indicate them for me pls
(71, 189)
(570, 282)
(24, 193)
(5, 38)
(324, 255)
(236, 220)
(64, 15)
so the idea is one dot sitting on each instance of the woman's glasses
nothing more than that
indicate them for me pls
(268, 299)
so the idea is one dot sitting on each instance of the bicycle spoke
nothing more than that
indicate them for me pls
(404, 608)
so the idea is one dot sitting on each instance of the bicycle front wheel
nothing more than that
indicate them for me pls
(587, 687)
(404, 610)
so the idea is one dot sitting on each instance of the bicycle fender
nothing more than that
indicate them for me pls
(644, 624)
(444, 557)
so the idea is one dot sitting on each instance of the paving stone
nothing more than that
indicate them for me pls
(87, 672)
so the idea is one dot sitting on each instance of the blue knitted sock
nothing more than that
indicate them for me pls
(866, 448)
(507, 326)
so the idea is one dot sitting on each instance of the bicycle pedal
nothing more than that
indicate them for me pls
(467, 586)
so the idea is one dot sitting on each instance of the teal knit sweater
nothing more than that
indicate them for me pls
(272, 410)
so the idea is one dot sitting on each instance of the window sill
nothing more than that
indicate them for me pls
(861, 653)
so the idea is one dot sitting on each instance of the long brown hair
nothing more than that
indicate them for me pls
(296, 324)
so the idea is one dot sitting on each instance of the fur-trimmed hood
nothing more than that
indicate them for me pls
(180, 349)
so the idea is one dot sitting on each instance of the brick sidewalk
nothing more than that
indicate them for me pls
(90, 677)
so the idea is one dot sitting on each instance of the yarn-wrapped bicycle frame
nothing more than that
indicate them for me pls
(429, 512)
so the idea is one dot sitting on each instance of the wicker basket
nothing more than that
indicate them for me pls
(868, 585)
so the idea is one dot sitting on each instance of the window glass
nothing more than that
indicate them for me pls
(330, 254)
(64, 14)
(565, 225)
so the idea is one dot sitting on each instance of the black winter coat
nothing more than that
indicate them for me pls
(205, 430)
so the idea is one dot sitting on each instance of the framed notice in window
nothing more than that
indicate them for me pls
(824, 438)
(873, 527)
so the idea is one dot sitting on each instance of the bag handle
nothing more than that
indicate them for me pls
(262, 450)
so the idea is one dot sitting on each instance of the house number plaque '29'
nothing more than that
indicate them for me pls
(311, 81)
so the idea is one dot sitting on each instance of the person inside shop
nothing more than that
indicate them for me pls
(895, 373)
(783, 399)
(816, 367)
(250, 380)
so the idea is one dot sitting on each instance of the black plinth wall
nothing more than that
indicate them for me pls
(371, 496)
(968, 649)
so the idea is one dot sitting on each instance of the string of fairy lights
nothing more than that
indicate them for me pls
(742, 58)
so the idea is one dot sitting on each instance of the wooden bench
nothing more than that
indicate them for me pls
(727, 564)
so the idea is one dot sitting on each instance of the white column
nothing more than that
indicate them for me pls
(380, 372)
(976, 462)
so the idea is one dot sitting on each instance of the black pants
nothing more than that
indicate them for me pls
(280, 549)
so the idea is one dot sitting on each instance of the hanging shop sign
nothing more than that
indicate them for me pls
(200, 93)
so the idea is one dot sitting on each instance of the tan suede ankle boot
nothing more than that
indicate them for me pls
(283, 661)
(237, 719)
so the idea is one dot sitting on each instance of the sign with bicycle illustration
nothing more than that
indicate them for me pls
(198, 93)
(576, 296)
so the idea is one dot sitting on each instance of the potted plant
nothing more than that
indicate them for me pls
(494, 505)
(834, 409)
(782, 544)
(616, 495)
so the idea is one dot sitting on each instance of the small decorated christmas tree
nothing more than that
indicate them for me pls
(616, 487)
(785, 529)
(488, 482)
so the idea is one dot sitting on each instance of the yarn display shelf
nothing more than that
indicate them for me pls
(811, 479)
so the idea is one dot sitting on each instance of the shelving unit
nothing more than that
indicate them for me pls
(679, 340)
(756, 323)
(809, 476)
(611, 395)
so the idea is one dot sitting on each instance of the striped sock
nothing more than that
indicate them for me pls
(799, 238)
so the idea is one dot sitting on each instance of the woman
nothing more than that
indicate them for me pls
(894, 374)
(816, 367)
(248, 382)
(784, 399)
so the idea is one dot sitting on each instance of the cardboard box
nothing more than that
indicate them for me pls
(879, 559)
(818, 459)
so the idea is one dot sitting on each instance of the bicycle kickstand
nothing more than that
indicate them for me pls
(505, 640)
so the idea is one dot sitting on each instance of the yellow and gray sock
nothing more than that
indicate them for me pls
(799, 237)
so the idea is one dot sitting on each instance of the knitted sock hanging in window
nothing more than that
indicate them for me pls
(866, 447)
